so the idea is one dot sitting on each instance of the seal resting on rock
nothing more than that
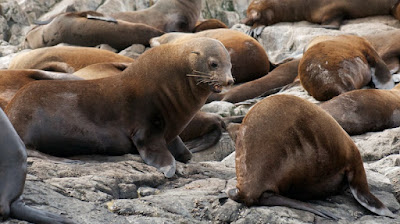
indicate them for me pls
(13, 80)
(64, 58)
(90, 29)
(142, 110)
(249, 59)
(298, 154)
(334, 65)
(12, 179)
(166, 15)
(365, 110)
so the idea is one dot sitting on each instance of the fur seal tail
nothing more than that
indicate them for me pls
(22, 212)
(361, 193)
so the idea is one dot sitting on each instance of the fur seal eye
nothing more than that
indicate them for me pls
(213, 64)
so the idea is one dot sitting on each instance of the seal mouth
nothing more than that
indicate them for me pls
(216, 88)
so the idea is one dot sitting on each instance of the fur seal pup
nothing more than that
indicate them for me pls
(249, 59)
(365, 110)
(166, 15)
(279, 77)
(143, 109)
(64, 59)
(208, 24)
(13, 80)
(300, 154)
(340, 64)
(83, 29)
(326, 12)
(12, 175)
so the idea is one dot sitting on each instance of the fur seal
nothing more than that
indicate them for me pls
(249, 59)
(208, 24)
(166, 15)
(83, 29)
(101, 70)
(13, 174)
(326, 12)
(64, 59)
(340, 64)
(143, 109)
(279, 77)
(13, 80)
(365, 110)
(280, 156)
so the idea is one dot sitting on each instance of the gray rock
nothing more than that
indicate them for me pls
(218, 152)
(112, 6)
(133, 51)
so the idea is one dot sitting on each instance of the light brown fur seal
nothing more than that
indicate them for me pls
(64, 59)
(340, 64)
(249, 59)
(166, 15)
(326, 12)
(365, 110)
(208, 24)
(142, 110)
(87, 29)
(13, 80)
(298, 154)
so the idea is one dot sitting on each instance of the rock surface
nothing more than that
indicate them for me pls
(123, 189)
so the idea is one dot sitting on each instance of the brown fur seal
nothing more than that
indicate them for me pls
(326, 12)
(101, 70)
(249, 59)
(279, 77)
(80, 28)
(365, 110)
(13, 175)
(166, 15)
(64, 59)
(299, 154)
(208, 24)
(143, 109)
(13, 80)
(340, 64)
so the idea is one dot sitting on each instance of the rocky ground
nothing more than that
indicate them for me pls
(122, 189)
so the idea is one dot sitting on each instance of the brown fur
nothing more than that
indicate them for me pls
(209, 24)
(166, 15)
(300, 154)
(340, 64)
(249, 59)
(76, 29)
(13, 80)
(101, 70)
(143, 109)
(64, 59)
(326, 12)
(281, 76)
(365, 110)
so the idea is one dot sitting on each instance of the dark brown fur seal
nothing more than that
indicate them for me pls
(208, 24)
(298, 154)
(166, 15)
(13, 175)
(279, 77)
(340, 64)
(13, 80)
(83, 29)
(64, 59)
(326, 12)
(144, 109)
(365, 110)
(249, 59)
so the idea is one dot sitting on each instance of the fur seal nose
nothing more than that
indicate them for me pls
(230, 82)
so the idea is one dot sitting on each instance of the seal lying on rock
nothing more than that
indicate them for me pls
(64, 59)
(12, 179)
(144, 109)
(300, 153)
(13, 80)
(88, 29)
(334, 65)
(166, 15)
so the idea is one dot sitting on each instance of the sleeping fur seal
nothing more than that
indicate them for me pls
(142, 110)
(166, 15)
(299, 154)
(64, 59)
(87, 29)
(339, 64)
(12, 179)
